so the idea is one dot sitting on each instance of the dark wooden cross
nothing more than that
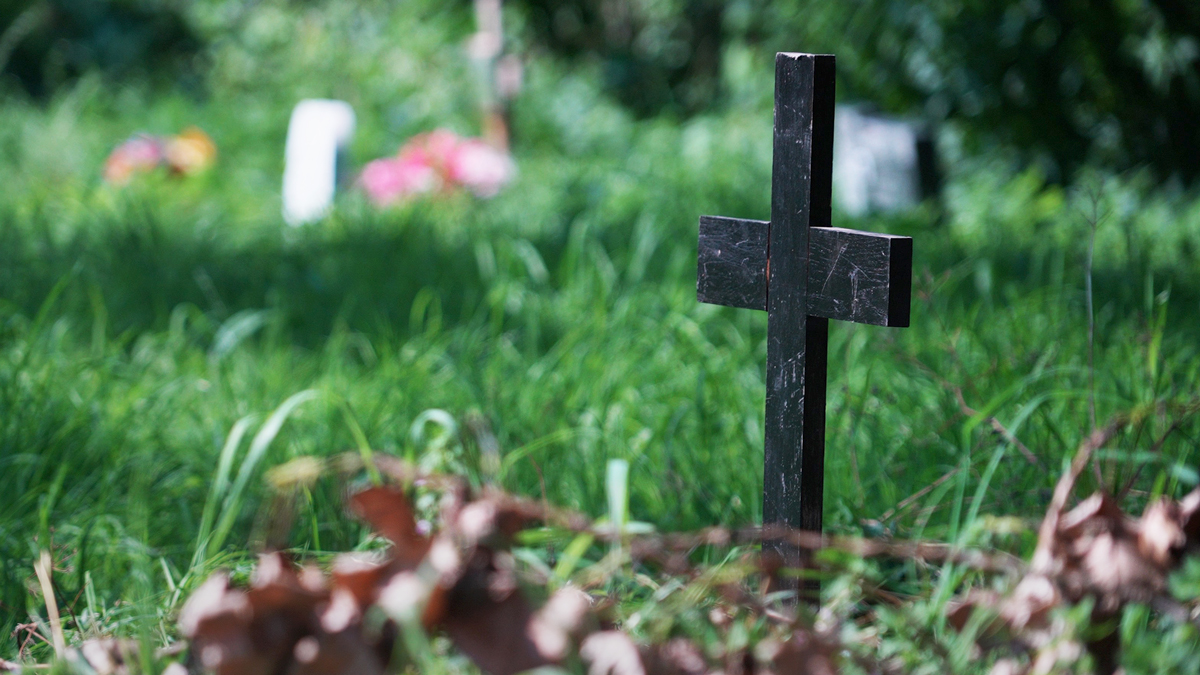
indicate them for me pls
(803, 273)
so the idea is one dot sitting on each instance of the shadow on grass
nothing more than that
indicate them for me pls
(131, 274)
(390, 273)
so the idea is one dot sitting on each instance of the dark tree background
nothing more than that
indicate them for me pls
(1066, 81)
(47, 43)
(655, 57)
(1063, 81)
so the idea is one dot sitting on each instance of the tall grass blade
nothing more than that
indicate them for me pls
(258, 448)
(616, 484)
(364, 446)
(235, 330)
(43, 568)
(219, 485)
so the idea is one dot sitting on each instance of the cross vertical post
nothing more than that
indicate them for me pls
(801, 176)
(803, 273)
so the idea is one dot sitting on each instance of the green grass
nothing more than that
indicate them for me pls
(138, 328)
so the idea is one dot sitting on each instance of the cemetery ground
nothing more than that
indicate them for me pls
(166, 346)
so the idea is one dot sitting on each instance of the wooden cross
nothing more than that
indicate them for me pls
(803, 273)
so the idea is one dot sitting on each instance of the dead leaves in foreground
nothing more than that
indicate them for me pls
(369, 615)
(462, 582)
(1093, 552)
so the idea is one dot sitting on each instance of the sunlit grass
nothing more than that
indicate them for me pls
(148, 336)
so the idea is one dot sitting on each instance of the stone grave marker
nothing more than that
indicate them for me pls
(803, 273)
(318, 134)
(882, 164)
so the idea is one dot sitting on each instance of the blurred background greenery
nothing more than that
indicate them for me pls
(138, 325)
(1064, 83)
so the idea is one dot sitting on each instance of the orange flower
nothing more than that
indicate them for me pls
(190, 152)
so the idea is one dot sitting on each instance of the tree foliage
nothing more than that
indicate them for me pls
(1063, 81)
(46, 43)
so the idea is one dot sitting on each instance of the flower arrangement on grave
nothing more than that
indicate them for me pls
(188, 153)
(437, 162)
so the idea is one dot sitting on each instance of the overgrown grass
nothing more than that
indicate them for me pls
(138, 328)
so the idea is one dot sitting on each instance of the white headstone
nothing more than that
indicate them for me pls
(319, 130)
(877, 163)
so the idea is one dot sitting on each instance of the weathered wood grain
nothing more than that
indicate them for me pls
(793, 453)
(803, 273)
(854, 276)
(731, 266)
(859, 276)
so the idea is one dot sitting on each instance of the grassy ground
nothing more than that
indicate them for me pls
(143, 331)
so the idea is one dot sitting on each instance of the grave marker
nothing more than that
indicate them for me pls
(318, 134)
(803, 273)
(882, 164)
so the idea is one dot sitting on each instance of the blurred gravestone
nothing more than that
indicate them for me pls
(882, 164)
(318, 134)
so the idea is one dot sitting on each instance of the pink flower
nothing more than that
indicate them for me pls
(438, 160)
(439, 144)
(138, 154)
(480, 168)
(393, 179)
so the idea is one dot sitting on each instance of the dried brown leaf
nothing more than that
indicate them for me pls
(493, 633)
(387, 510)
(275, 587)
(313, 580)
(611, 652)
(1098, 552)
(217, 619)
(677, 657)
(344, 652)
(360, 577)
(107, 656)
(1160, 534)
(1030, 602)
(959, 612)
(341, 613)
(558, 621)
(1115, 571)
(445, 560)
(493, 520)
(409, 596)
(1008, 666)
(235, 632)
(806, 653)
(1048, 658)
(1189, 518)
(213, 601)
(1098, 510)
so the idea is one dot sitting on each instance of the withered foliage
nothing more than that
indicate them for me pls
(461, 581)
(1097, 553)
(105, 656)
(460, 578)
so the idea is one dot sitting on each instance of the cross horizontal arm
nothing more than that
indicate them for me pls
(855, 276)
